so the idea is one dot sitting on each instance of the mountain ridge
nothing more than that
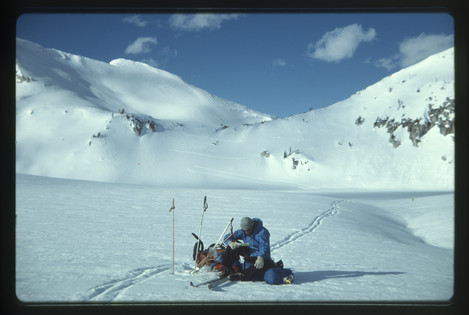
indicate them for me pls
(129, 122)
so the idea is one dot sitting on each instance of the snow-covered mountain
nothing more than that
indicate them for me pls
(125, 121)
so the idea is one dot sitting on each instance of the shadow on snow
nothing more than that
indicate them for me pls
(314, 276)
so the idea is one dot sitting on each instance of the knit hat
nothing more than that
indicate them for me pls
(246, 223)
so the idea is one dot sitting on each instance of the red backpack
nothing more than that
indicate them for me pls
(209, 256)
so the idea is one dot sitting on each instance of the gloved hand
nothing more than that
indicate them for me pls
(259, 264)
(233, 245)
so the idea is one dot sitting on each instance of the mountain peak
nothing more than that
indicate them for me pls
(126, 121)
(133, 86)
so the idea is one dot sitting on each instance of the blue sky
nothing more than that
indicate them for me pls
(281, 64)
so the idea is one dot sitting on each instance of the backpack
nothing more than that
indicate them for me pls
(210, 257)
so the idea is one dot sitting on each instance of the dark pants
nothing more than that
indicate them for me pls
(252, 273)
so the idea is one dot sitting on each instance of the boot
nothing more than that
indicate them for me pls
(236, 276)
(226, 272)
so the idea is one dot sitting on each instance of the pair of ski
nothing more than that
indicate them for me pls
(212, 283)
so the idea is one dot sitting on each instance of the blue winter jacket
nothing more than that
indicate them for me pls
(259, 240)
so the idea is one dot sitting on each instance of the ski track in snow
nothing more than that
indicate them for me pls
(110, 290)
(335, 206)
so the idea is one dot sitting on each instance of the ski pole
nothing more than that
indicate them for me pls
(224, 231)
(200, 230)
(172, 209)
(228, 237)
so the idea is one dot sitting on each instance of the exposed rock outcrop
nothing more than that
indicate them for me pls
(442, 117)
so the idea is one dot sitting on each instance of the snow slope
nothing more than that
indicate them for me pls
(92, 242)
(127, 122)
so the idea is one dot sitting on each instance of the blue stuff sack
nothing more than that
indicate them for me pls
(276, 275)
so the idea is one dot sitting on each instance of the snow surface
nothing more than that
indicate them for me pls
(91, 241)
(103, 148)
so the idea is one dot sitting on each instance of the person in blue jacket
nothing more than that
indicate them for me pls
(255, 249)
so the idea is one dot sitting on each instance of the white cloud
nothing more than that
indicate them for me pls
(387, 63)
(162, 57)
(197, 22)
(415, 49)
(136, 20)
(279, 63)
(340, 43)
(141, 45)
(418, 48)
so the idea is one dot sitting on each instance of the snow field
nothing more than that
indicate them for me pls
(90, 241)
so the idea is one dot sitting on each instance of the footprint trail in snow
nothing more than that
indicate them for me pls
(310, 228)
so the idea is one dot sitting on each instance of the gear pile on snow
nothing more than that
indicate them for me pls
(209, 257)
(213, 257)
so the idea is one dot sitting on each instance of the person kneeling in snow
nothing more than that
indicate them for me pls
(255, 250)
